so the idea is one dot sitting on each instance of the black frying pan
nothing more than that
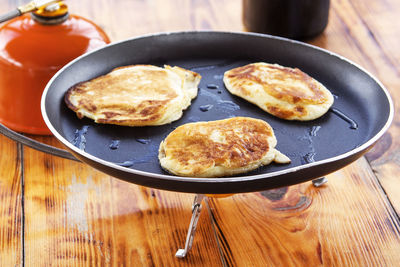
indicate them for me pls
(362, 111)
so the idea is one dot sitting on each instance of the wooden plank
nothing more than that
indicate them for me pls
(350, 223)
(78, 216)
(382, 46)
(11, 218)
(10, 204)
(347, 222)
(365, 32)
(126, 19)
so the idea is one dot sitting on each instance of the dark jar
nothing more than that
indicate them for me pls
(295, 19)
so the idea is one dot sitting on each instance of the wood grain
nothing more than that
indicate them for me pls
(339, 224)
(11, 225)
(384, 36)
(126, 19)
(10, 204)
(78, 216)
(74, 215)
(367, 33)
(346, 209)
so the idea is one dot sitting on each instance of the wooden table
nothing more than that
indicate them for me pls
(56, 212)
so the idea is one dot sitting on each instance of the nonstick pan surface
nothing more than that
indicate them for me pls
(361, 113)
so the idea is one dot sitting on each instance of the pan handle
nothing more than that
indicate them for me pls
(35, 144)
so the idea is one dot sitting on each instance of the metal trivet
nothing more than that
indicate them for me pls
(196, 207)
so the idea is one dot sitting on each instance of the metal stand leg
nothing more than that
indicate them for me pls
(319, 181)
(196, 208)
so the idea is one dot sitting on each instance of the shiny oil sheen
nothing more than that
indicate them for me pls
(30, 54)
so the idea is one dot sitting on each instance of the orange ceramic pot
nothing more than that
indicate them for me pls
(30, 54)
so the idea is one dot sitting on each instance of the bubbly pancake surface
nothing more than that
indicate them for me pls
(284, 92)
(219, 148)
(137, 95)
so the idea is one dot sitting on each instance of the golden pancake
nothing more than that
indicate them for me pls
(137, 95)
(281, 91)
(219, 148)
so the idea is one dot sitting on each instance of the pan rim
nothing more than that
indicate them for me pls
(242, 178)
